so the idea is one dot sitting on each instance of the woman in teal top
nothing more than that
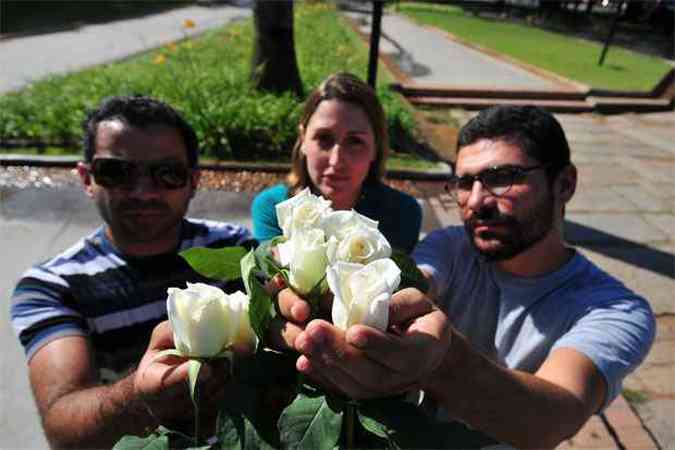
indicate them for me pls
(340, 153)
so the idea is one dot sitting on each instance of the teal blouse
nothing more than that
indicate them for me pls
(399, 214)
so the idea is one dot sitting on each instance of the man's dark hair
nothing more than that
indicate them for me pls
(139, 112)
(534, 130)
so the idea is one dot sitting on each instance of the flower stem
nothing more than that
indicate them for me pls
(350, 416)
(196, 438)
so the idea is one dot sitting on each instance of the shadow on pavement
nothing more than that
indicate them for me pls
(618, 248)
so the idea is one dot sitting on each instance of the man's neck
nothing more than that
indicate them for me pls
(145, 249)
(546, 256)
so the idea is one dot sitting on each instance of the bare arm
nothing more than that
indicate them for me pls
(78, 412)
(525, 410)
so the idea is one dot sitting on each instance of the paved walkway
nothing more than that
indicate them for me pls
(426, 56)
(31, 58)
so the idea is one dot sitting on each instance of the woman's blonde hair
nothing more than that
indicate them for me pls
(348, 88)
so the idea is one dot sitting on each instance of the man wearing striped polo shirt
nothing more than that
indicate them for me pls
(86, 316)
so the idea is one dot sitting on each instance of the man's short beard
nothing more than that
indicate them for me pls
(521, 234)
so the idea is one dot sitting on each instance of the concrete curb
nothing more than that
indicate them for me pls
(224, 166)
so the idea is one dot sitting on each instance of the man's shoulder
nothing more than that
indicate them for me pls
(205, 233)
(79, 259)
(454, 234)
(586, 275)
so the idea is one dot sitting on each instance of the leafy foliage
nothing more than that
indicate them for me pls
(207, 78)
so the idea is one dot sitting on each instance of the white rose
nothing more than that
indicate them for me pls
(362, 293)
(206, 321)
(305, 256)
(354, 238)
(302, 211)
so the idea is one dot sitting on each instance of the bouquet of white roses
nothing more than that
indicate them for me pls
(320, 250)
(338, 250)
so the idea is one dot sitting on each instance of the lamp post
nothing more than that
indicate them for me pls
(375, 27)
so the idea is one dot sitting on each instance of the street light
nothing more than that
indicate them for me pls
(375, 27)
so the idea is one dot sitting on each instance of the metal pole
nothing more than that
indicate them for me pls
(610, 36)
(375, 27)
(3, 17)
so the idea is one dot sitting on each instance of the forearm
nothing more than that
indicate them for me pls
(511, 406)
(97, 417)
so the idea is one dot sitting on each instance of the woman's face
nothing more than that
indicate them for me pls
(339, 144)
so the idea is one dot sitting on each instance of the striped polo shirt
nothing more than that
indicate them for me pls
(115, 300)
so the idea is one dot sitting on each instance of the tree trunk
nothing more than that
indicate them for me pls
(274, 67)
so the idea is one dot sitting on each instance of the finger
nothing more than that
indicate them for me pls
(282, 334)
(293, 307)
(215, 371)
(408, 304)
(158, 377)
(305, 366)
(328, 357)
(275, 284)
(162, 337)
(416, 352)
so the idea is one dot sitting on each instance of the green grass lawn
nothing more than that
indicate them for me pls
(573, 58)
(207, 79)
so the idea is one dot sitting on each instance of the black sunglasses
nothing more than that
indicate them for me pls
(123, 174)
(496, 180)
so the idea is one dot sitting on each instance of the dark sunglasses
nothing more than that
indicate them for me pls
(123, 174)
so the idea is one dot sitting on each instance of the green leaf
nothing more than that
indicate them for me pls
(375, 427)
(244, 422)
(156, 441)
(403, 421)
(310, 422)
(266, 262)
(230, 428)
(222, 264)
(261, 309)
(411, 275)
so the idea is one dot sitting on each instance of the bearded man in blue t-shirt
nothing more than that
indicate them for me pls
(91, 318)
(525, 338)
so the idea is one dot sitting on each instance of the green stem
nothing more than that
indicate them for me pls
(196, 438)
(350, 413)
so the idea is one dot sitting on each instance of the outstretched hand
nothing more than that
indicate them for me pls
(293, 314)
(364, 362)
(162, 383)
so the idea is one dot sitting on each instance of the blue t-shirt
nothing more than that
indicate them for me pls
(518, 321)
(115, 300)
(399, 214)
